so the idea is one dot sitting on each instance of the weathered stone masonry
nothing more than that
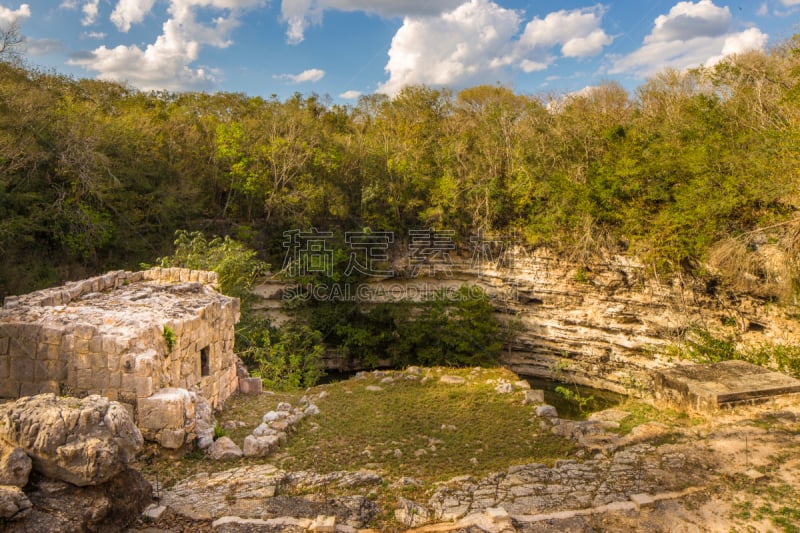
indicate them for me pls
(105, 335)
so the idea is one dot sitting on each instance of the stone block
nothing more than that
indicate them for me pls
(68, 343)
(259, 446)
(128, 383)
(9, 388)
(84, 331)
(48, 351)
(28, 388)
(96, 344)
(643, 500)
(22, 368)
(82, 361)
(50, 335)
(172, 438)
(251, 385)
(532, 396)
(110, 346)
(3, 346)
(81, 345)
(49, 386)
(144, 387)
(164, 409)
(99, 378)
(98, 360)
(84, 381)
(3, 367)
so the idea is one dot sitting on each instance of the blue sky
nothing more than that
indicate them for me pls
(345, 48)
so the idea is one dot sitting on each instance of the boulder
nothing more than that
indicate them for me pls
(58, 506)
(81, 441)
(15, 465)
(224, 449)
(14, 505)
(452, 380)
(260, 446)
(532, 396)
(311, 410)
(547, 411)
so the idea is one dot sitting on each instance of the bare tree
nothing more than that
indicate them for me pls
(10, 41)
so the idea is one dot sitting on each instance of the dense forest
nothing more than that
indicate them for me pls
(693, 169)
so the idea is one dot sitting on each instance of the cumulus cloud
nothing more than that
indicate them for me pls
(350, 95)
(300, 14)
(128, 12)
(90, 11)
(577, 32)
(166, 63)
(311, 75)
(690, 35)
(481, 40)
(8, 15)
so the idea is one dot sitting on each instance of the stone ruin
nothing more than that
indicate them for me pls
(158, 341)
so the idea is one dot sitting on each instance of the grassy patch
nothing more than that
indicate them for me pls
(429, 431)
(425, 430)
(641, 413)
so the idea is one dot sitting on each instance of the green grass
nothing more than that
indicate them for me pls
(641, 412)
(364, 429)
(358, 429)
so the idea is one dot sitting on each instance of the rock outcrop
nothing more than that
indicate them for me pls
(81, 441)
(15, 466)
(109, 507)
(596, 323)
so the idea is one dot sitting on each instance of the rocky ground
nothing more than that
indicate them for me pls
(738, 470)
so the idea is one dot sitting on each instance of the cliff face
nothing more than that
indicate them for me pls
(604, 325)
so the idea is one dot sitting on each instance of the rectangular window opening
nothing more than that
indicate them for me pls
(205, 365)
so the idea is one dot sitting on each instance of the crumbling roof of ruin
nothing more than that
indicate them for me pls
(119, 301)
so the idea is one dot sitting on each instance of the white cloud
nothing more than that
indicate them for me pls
(7, 15)
(690, 35)
(311, 75)
(166, 63)
(578, 32)
(790, 3)
(481, 40)
(90, 11)
(763, 10)
(350, 95)
(468, 43)
(130, 12)
(300, 14)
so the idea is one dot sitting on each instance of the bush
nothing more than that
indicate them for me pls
(287, 359)
(237, 266)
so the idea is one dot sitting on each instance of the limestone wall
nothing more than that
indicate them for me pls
(105, 335)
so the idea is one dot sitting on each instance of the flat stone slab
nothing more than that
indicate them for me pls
(709, 387)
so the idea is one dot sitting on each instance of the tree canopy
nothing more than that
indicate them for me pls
(95, 175)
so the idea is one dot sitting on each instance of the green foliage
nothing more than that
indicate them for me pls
(583, 402)
(452, 329)
(703, 346)
(287, 359)
(169, 337)
(96, 176)
(237, 266)
(219, 432)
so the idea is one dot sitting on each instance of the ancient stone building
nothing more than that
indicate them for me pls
(124, 335)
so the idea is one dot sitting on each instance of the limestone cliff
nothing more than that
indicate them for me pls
(603, 324)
